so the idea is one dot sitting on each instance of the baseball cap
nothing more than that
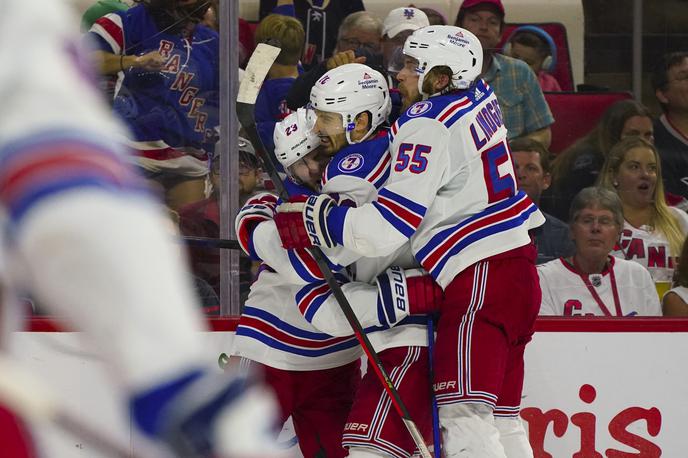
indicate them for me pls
(406, 18)
(471, 3)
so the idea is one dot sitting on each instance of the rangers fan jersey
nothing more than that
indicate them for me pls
(172, 113)
(651, 248)
(626, 283)
(451, 191)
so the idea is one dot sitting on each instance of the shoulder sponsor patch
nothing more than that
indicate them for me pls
(350, 163)
(419, 108)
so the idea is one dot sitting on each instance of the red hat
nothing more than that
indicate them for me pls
(471, 3)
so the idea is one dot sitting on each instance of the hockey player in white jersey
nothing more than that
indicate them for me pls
(314, 375)
(452, 193)
(83, 236)
(354, 100)
(592, 281)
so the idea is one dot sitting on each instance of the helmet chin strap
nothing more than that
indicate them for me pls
(347, 132)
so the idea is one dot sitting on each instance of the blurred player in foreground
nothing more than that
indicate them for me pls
(82, 235)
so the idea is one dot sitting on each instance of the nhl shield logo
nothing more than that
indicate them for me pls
(419, 108)
(350, 163)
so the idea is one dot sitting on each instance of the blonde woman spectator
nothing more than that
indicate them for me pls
(653, 232)
(578, 166)
(675, 302)
(592, 282)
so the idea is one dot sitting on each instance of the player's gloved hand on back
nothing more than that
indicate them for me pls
(425, 295)
(406, 292)
(257, 209)
(302, 222)
(210, 415)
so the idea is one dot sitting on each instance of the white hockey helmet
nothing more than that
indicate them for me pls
(352, 89)
(446, 45)
(294, 137)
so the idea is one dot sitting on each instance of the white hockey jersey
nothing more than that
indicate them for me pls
(353, 177)
(452, 189)
(271, 329)
(651, 248)
(565, 293)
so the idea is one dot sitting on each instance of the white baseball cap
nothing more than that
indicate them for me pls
(406, 18)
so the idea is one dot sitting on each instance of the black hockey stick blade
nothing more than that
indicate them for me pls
(210, 242)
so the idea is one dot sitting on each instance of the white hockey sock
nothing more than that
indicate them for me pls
(513, 437)
(468, 431)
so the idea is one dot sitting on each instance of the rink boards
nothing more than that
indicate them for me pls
(592, 386)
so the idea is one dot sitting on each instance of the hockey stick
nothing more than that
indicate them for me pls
(256, 70)
(24, 394)
(436, 433)
(210, 242)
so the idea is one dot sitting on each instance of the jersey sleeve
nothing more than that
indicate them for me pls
(547, 306)
(296, 266)
(419, 159)
(108, 33)
(318, 305)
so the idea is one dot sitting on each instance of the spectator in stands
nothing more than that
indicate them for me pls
(578, 166)
(107, 83)
(523, 105)
(271, 105)
(592, 282)
(532, 166)
(397, 26)
(360, 30)
(434, 16)
(208, 297)
(169, 93)
(653, 232)
(321, 19)
(202, 219)
(536, 48)
(675, 302)
(670, 83)
(210, 19)
(356, 45)
(100, 9)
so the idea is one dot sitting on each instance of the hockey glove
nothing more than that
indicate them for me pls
(257, 209)
(302, 222)
(425, 295)
(406, 292)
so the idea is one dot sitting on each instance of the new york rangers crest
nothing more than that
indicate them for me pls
(419, 108)
(351, 163)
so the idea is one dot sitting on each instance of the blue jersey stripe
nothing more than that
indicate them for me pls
(276, 344)
(285, 327)
(404, 202)
(399, 224)
(480, 235)
(445, 234)
(18, 208)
